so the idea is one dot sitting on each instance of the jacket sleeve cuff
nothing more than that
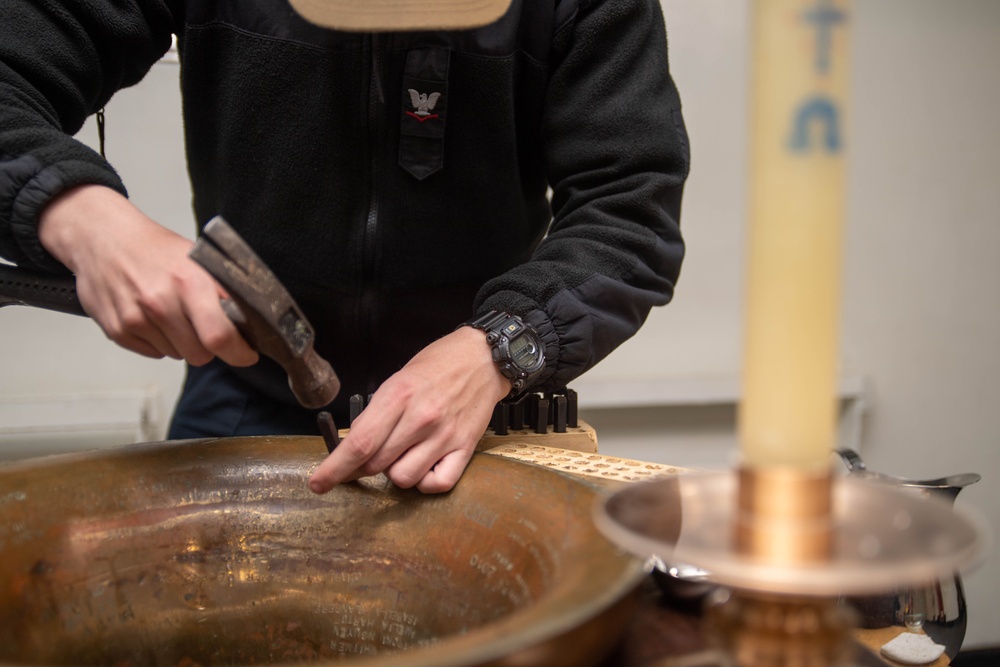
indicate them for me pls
(26, 187)
(543, 326)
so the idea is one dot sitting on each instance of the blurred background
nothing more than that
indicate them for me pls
(920, 378)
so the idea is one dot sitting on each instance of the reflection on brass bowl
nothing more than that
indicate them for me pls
(214, 552)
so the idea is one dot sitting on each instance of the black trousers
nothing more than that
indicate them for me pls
(215, 402)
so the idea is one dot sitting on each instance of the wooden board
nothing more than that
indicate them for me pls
(875, 639)
(606, 468)
(581, 438)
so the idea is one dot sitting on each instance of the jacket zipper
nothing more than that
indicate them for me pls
(370, 286)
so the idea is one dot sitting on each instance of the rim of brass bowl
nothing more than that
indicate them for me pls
(220, 512)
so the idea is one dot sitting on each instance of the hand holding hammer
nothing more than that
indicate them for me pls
(258, 304)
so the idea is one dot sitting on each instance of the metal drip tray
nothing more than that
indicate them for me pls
(214, 552)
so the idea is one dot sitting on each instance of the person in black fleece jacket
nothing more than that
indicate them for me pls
(391, 217)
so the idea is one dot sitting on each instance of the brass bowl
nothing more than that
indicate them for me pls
(214, 552)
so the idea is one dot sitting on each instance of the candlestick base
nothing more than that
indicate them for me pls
(788, 545)
(879, 536)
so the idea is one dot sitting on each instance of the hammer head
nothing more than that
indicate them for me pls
(265, 313)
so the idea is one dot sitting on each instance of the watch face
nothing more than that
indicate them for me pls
(525, 353)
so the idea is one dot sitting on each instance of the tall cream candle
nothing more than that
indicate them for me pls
(797, 200)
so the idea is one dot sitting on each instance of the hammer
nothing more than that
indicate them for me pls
(258, 304)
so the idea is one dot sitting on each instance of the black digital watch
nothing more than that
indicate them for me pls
(517, 348)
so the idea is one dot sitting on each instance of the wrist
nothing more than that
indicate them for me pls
(497, 387)
(66, 222)
(516, 349)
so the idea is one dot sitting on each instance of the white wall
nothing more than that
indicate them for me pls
(921, 317)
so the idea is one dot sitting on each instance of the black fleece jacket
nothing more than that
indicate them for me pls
(396, 183)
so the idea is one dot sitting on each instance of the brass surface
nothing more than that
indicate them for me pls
(214, 552)
(784, 515)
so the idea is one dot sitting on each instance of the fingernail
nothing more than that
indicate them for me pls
(316, 486)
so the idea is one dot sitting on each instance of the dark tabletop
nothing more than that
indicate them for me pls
(663, 626)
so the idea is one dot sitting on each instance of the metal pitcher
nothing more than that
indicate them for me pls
(938, 608)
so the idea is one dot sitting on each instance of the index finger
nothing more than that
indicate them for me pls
(367, 435)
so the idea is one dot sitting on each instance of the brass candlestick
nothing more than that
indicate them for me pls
(754, 629)
(782, 517)
(787, 545)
